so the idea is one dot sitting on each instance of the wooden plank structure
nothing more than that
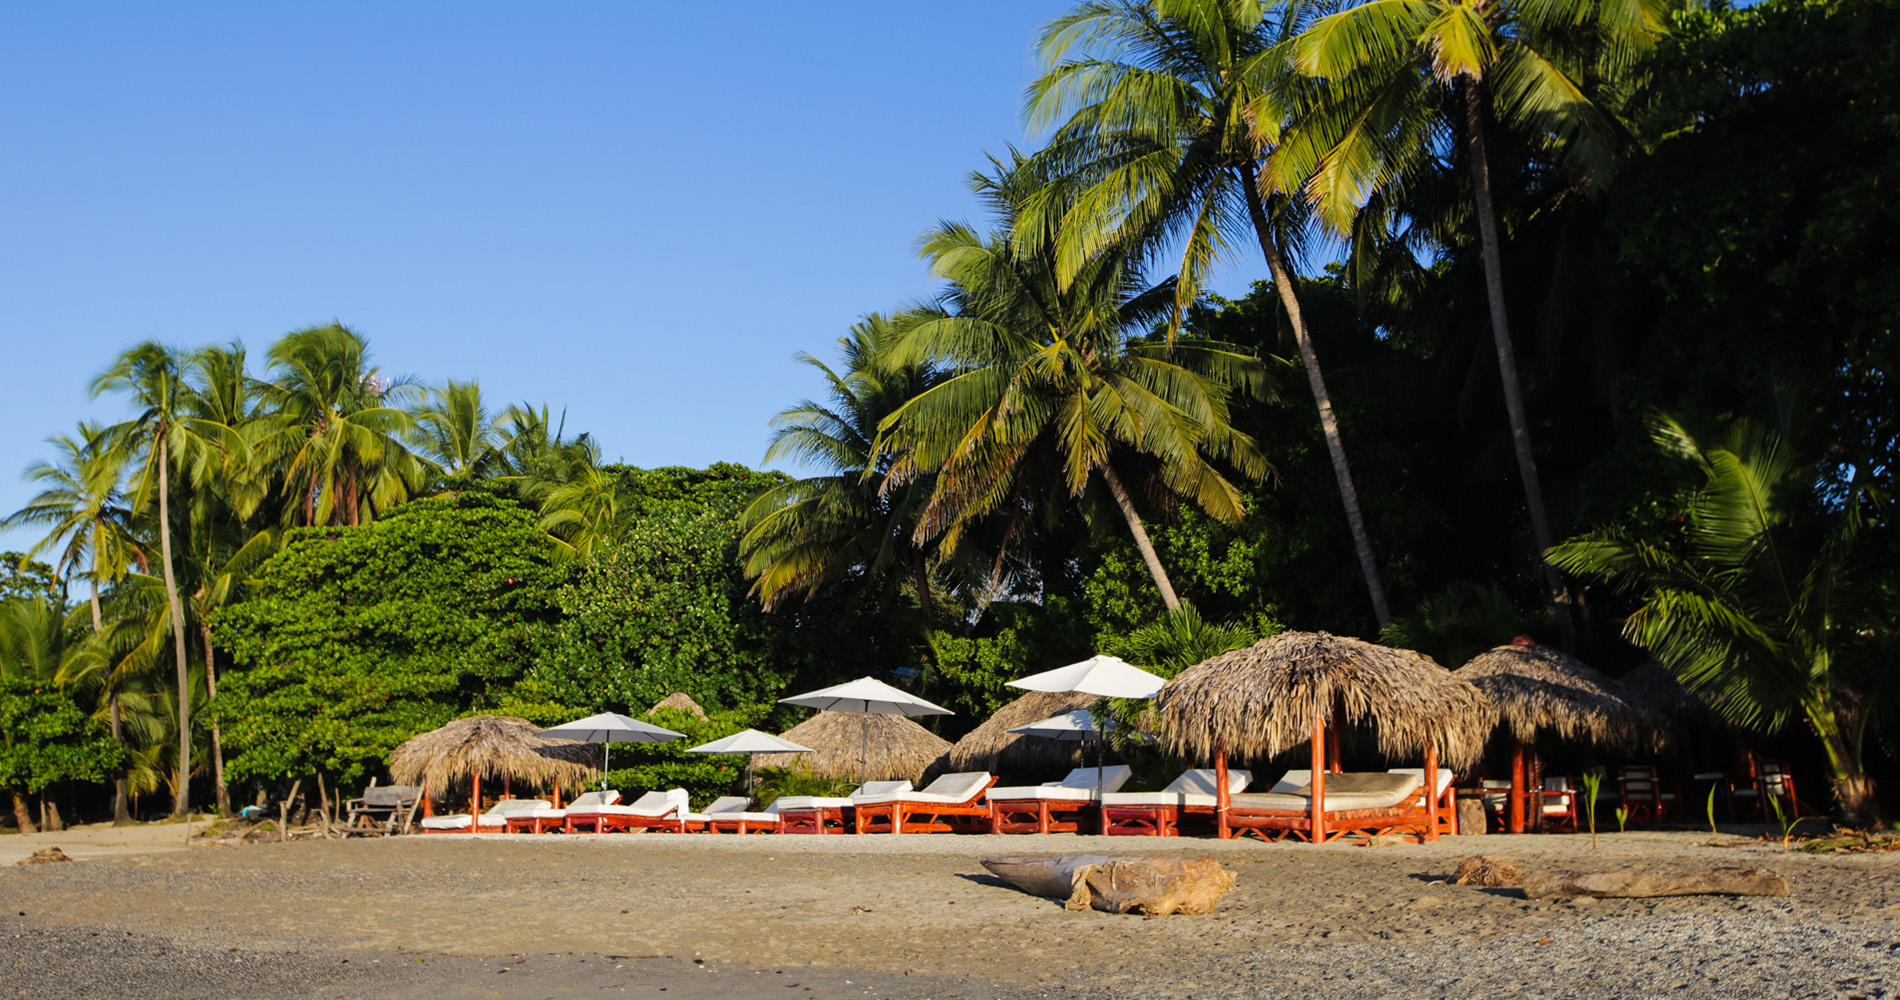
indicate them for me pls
(1290, 689)
(903, 814)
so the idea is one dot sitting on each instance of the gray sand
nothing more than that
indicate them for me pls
(916, 916)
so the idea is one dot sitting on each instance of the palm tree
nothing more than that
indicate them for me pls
(221, 572)
(1170, 107)
(153, 376)
(454, 430)
(1390, 67)
(1761, 604)
(86, 518)
(800, 535)
(339, 437)
(1045, 393)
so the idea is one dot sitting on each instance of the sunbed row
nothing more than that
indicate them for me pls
(1088, 800)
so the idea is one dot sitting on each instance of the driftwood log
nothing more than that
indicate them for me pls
(1729, 881)
(44, 856)
(1148, 886)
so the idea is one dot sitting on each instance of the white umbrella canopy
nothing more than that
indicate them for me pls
(609, 728)
(1075, 727)
(749, 742)
(1070, 727)
(1105, 676)
(866, 696)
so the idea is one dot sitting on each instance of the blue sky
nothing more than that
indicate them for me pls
(636, 212)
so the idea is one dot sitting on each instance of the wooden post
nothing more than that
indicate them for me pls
(475, 804)
(1318, 784)
(1431, 790)
(1221, 800)
(1335, 748)
(428, 807)
(557, 795)
(1516, 804)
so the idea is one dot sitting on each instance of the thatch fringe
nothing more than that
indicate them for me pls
(1539, 690)
(493, 746)
(1262, 701)
(899, 748)
(992, 747)
(679, 701)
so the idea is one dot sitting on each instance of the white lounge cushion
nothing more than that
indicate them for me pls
(496, 816)
(950, 789)
(1078, 786)
(1192, 788)
(1344, 792)
(651, 805)
(806, 803)
(581, 802)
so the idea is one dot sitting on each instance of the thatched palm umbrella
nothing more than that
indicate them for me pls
(1538, 690)
(895, 747)
(488, 746)
(1288, 689)
(992, 747)
(680, 701)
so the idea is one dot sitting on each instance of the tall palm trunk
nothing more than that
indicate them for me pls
(1852, 787)
(217, 741)
(1323, 399)
(121, 815)
(1127, 505)
(1501, 335)
(181, 802)
(23, 816)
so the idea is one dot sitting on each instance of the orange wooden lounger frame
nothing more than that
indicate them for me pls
(971, 815)
(716, 825)
(820, 819)
(609, 822)
(534, 824)
(1043, 815)
(1425, 816)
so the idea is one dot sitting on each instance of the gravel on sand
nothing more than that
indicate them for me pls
(667, 916)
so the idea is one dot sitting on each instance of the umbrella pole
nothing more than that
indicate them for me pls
(606, 749)
(1221, 801)
(864, 750)
(475, 805)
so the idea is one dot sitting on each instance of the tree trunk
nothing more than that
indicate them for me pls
(181, 802)
(217, 741)
(1127, 505)
(50, 820)
(22, 816)
(121, 816)
(1323, 399)
(1852, 786)
(1501, 335)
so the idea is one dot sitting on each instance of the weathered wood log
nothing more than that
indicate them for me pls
(1725, 881)
(44, 856)
(1149, 886)
(1487, 871)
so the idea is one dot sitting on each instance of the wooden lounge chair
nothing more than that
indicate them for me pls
(652, 811)
(952, 802)
(1644, 793)
(733, 812)
(1360, 804)
(1557, 805)
(826, 813)
(1773, 779)
(495, 820)
(380, 811)
(549, 818)
(1043, 808)
(1158, 814)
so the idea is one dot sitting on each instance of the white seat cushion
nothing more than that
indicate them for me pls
(1192, 788)
(806, 803)
(950, 789)
(1044, 793)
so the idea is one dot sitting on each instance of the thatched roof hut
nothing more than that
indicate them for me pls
(490, 747)
(679, 701)
(1538, 690)
(992, 747)
(1264, 700)
(898, 747)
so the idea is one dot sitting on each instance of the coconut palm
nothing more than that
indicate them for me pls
(84, 513)
(1761, 604)
(1394, 68)
(1047, 394)
(220, 568)
(456, 431)
(339, 437)
(153, 377)
(800, 535)
(1170, 107)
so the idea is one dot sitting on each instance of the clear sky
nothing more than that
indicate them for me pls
(633, 211)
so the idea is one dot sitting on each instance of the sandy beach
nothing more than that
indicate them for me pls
(914, 916)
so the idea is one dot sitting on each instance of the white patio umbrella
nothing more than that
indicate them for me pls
(1104, 676)
(609, 728)
(1074, 727)
(866, 696)
(749, 742)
